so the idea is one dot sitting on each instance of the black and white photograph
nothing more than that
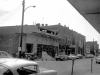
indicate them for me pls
(49, 37)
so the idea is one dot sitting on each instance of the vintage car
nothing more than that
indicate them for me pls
(89, 56)
(97, 59)
(15, 66)
(4, 54)
(79, 56)
(61, 57)
(72, 56)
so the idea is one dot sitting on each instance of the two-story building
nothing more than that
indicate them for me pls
(92, 47)
(35, 39)
(70, 41)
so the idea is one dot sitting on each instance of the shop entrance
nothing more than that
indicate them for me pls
(29, 47)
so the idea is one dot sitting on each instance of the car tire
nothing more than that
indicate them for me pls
(96, 62)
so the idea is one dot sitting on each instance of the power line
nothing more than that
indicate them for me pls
(12, 13)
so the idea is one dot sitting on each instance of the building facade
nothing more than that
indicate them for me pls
(54, 39)
(35, 40)
(70, 41)
(92, 47)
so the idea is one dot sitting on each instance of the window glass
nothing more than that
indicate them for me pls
(3, 54)
(5, 71)
(28, 70)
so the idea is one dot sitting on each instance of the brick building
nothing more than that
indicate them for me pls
(70, 41)
(35, 39)
(53, 39)
(92, 47)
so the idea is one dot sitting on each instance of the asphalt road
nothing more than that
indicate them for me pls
(81, 66)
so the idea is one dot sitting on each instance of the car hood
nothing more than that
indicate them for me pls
(6, 59)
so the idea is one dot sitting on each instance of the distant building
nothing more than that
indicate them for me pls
(70, 41)
(92, 47)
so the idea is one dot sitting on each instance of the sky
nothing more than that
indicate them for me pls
(49, 12)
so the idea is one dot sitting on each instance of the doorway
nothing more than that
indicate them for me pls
(29, 47)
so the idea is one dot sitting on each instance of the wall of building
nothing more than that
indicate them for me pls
(94, 47)
(72, 39)
(35, 39)
(37, 36)
(9, 43)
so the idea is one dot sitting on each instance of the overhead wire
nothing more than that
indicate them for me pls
(11, 14)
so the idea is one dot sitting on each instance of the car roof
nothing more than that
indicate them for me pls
(8, 55)
(15, 63)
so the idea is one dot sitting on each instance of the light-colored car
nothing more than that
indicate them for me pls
(72, 56)
(79, 56)
(4, 54)
(97, 59)
(61, 57)
(89, 56)
(14, 66)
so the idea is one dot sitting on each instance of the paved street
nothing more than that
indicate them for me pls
(81, 66)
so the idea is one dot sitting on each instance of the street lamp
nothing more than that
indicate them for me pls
(21, 40)
(29, 7)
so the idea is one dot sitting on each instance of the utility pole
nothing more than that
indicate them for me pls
(21, 40)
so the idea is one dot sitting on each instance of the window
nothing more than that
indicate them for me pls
(28, 70)
(3, 54)
(5, 71)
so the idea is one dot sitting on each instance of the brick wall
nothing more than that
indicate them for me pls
(9, 43)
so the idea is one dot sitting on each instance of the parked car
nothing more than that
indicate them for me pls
(97, 59)
(61, 57)
(12, 66)
(4, 54)
(72, 56)
(29, 56)
(79, 56)
(89, 56)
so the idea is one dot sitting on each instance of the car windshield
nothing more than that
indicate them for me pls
(28, 70)
(4, 54)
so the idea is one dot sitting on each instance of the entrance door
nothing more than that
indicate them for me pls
(29, 47)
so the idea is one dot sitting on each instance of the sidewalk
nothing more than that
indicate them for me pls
(89, 73)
